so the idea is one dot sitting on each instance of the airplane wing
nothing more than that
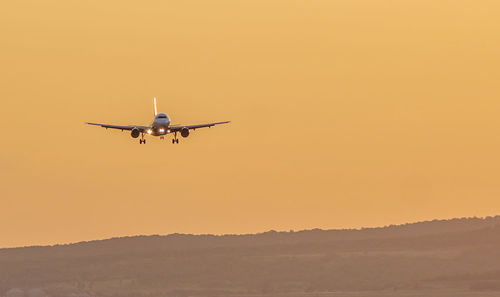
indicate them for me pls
(194, 127)
(141, 128)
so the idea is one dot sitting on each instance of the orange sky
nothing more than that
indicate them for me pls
(345, 114)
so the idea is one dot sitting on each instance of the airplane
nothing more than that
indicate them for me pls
(159, 127)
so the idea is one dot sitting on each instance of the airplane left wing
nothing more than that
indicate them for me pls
(141, 128)
(194, 127)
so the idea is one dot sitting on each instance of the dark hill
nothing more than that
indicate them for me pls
(435, 258)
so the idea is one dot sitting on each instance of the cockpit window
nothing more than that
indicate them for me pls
(162, 116)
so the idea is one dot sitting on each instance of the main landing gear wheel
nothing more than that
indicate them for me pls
(141, 141)
(175, 140)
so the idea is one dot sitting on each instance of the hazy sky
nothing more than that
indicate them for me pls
(345, 113)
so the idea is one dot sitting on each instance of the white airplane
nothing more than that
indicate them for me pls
(159, 127)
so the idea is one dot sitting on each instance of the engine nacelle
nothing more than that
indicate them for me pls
(135, 133)
(184, 132)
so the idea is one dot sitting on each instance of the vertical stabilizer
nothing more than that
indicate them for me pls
(154, 101)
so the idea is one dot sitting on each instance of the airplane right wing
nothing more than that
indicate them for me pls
(143, 129)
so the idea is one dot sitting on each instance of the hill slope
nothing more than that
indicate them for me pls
(437, 258)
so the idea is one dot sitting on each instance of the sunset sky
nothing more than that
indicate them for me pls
(345, 113)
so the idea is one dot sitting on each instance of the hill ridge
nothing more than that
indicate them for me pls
(455, 255)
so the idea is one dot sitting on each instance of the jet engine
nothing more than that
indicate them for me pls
(135, 133)
(185, 132)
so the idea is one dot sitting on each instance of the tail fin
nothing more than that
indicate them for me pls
(154, 100)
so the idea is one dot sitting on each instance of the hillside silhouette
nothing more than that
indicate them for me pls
(455, 257)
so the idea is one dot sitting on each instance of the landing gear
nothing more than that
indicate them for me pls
(175, 139)
(142, 140)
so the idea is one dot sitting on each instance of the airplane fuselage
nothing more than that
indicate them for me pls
(160, 125)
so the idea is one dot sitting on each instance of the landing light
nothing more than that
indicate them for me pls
(162, 130)
(149, 131)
